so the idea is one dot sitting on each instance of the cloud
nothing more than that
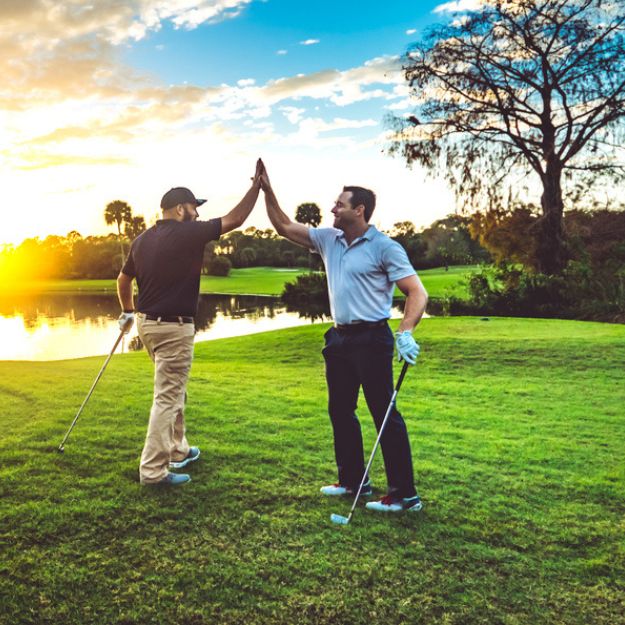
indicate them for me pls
(411, 31)
(309, 42)
(246, 82)
(59, 50)
(459, 5)
(281, 52)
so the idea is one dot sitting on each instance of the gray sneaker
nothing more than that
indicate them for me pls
(192, 456)
(171, 479)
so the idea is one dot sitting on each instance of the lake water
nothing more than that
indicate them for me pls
(73, 325)
(57, 326)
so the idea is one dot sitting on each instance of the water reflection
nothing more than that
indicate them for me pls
(72, 325)
(57, 326)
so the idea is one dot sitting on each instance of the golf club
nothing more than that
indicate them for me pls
(342, 520)
(106, 362)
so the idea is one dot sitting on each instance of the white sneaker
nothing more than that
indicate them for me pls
(337, 490)
(391, 504)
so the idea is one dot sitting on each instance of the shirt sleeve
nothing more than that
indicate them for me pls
(129, 266)
(396, 262)
(210, 230)
(320, 237)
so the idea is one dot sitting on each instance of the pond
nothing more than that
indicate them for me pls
(73, 325)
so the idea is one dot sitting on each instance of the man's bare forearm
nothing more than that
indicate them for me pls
(242, 210)
(277, 216)
(414, 308)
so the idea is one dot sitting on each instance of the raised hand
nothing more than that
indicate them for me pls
(260, 168)
(265, 185)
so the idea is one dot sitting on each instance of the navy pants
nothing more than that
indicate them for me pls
(364, 357)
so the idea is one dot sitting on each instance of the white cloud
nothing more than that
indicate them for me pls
(309, 42)
(411, 31)
(281, 52)
(246, 82)
(292, 113)
(459, 5)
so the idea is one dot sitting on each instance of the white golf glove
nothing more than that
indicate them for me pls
(407, 348)
(125, 321)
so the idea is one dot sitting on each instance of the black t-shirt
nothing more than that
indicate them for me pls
(166, 260)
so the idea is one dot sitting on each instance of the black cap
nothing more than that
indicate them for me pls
(179, 195)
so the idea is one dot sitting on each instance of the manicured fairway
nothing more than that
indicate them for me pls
(258, 281)
(518, 434)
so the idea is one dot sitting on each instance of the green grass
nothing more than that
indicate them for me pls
(518, 439)
(254, 281)
(251, 281)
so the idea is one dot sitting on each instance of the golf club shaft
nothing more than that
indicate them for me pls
(377, 441)
(106, 362)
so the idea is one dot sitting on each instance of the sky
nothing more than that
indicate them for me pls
(122, 99)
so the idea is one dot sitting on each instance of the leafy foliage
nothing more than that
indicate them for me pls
(219, 266)
(308, 213)
(308, 295)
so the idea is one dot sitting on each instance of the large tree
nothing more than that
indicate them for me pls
(118, 212)
(515, 87)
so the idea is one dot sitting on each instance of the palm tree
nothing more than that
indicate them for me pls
(118, 212)
(134, 227)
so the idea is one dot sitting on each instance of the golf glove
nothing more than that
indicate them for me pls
(126, 319)
(407, 348)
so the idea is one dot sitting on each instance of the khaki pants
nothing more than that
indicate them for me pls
(170, 346)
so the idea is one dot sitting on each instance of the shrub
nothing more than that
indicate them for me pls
(581, 292)
(219, 266)
(308, 295)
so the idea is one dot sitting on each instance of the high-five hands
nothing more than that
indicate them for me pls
(260, 168)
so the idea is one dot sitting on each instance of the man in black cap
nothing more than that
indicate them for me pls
(166, 261)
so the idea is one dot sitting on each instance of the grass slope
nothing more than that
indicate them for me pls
(518, 440)
(250, 281)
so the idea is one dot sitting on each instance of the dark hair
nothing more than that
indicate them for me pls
(364, 197)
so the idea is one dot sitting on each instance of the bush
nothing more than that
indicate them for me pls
(219, 266)
(308, 295)
(581, 292)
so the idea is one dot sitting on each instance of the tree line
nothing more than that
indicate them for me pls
(445, 242)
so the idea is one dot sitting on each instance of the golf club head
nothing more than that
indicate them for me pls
(61, 449)
(338, 519)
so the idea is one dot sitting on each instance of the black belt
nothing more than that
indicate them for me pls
(359, 325)
(161, 318)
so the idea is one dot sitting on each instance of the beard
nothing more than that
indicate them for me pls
(188, 216)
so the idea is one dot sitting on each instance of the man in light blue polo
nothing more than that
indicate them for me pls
(363, 265)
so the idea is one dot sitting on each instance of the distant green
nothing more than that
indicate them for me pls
(259, 281)
(518, 440)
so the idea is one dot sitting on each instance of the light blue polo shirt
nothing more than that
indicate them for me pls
(361, 276)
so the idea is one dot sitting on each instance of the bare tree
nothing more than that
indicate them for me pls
(515, 87)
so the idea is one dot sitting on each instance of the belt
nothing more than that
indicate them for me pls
(173, 319)
(359, 326)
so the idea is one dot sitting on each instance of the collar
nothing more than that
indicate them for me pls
(369, 233)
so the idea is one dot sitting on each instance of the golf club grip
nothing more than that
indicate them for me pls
(404, 369)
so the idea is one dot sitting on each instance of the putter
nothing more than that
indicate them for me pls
(344, 520)
(106, 362)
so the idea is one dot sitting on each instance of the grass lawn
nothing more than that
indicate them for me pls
(252, 281)
(518, 439)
